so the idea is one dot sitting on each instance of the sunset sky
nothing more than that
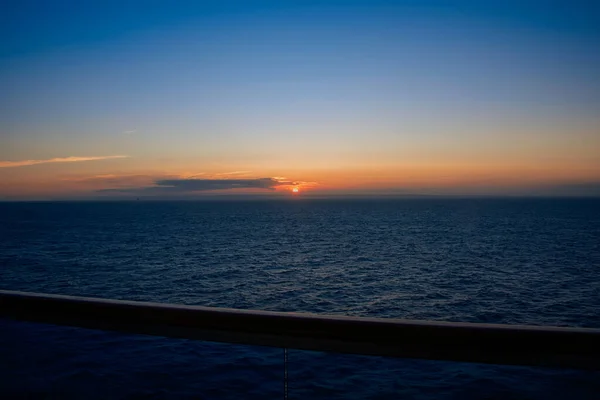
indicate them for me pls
(163, 99)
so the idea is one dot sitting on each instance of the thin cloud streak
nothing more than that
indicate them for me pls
(24, 163)
(233, 173)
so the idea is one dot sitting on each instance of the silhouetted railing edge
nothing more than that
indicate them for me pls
(561, 347)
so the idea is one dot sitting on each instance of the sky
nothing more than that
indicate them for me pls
(159, 99)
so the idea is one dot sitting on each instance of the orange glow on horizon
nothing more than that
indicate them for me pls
(59, 179)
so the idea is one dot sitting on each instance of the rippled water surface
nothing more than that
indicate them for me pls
(513, 261)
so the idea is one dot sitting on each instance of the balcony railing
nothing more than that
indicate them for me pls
(561, 347)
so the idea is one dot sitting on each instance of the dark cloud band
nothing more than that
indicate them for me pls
(198, 185)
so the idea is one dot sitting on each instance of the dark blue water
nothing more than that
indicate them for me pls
(513, 261)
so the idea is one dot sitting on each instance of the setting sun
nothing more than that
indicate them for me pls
(295, 190)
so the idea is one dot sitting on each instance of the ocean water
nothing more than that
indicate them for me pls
(512, 261)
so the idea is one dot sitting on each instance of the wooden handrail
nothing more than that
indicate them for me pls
(561, 347)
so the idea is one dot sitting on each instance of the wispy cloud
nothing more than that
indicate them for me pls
(24, 163)
(217, 175)
(191, 175)
(233, 173)
(112, 180)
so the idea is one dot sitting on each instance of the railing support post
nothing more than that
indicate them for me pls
(285, 373)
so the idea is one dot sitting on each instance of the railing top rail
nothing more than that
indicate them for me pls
(563, 347)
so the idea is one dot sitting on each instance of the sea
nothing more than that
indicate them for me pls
(533, 261)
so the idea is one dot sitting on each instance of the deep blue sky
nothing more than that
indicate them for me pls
(33, 26)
